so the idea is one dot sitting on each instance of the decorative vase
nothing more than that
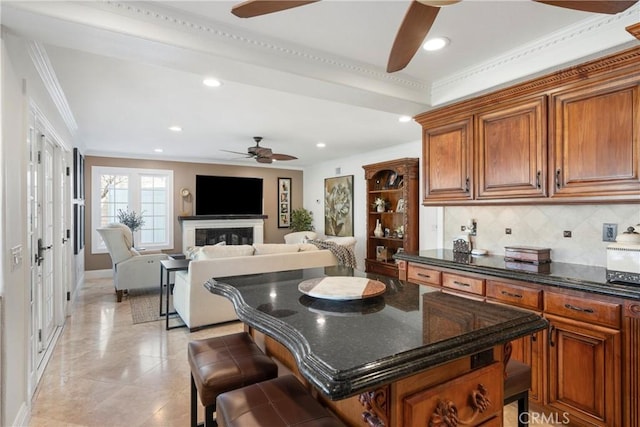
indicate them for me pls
(378, 230)
(380, 208)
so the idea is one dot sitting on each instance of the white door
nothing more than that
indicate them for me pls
(45, 246)
(45, 216)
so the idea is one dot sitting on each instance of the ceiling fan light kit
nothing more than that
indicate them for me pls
(419, 18)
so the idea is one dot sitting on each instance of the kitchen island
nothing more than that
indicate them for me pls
(398, 358)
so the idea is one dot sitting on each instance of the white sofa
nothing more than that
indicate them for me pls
(198, 307)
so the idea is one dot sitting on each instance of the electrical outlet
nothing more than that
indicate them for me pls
(609, 232)
(566, 233)
(507, 231)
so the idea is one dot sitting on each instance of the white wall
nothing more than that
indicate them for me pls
(14, 287)
(314, 193)
(20, 85)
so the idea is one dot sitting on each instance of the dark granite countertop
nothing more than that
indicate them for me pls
(347, 347)
(562, 275)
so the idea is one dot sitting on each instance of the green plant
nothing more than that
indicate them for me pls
(131, 219)
(301, 220)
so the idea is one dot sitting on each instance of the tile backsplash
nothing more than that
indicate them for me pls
(543, 226)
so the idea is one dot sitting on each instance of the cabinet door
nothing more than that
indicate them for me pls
(594, 144)
(584, 371)
(447, 167)
(530, 350)
(512, 151)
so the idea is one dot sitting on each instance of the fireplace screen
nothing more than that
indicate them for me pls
(231, 236)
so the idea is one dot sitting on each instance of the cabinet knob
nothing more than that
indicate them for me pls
(558, 183)
(466, 185)
(538, 179)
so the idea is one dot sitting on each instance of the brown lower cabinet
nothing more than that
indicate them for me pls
(586, 366)
(584, 371)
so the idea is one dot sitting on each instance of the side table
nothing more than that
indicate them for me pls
(166, 267)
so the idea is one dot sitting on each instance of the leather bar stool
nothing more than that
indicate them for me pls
(222, 364)
(280, 402)
(517, 383)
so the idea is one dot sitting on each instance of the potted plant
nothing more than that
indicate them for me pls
(301, 220)
(132, 220)
(380, 204)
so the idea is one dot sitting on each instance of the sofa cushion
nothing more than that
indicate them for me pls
(305, 247)
(225, 251)
(275, 248)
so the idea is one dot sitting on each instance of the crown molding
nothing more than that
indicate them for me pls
(43, 66)
(169, 18)
(575, 42)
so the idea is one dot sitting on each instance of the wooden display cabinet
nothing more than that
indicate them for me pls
(395, 182)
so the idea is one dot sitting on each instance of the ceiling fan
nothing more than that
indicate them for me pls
(262, 154)
(419, 18)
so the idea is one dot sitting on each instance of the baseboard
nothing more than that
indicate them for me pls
(23, 416)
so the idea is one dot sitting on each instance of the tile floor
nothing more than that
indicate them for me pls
(106, 371)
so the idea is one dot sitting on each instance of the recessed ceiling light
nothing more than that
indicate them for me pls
(175, 128)
(211, 82)
(404, 119)
(321, 145)
(158, 150)
(435, 43)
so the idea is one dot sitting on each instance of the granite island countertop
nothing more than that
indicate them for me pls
(562, 275)
(348, 347)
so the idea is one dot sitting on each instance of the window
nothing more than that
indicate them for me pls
(144, 191)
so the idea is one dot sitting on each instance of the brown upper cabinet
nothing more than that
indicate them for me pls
(512, 150)
(594, 144)
(448, 152)
(568, 137)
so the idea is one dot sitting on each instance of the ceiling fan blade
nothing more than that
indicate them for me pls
(237, 152)
(260, 159)
(414, 28)
(251, 8)
(277, 156)
(604, 6)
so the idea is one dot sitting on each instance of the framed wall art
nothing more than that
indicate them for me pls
(284, 202)
(338, 206)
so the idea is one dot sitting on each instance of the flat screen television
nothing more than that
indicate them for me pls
(228, 195)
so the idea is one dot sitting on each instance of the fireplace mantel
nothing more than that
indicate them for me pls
(192, 223)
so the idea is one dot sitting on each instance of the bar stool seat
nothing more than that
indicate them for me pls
(224, 363)
(517, 383)
(280, 402)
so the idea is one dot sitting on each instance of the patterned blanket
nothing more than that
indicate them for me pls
(344, 254)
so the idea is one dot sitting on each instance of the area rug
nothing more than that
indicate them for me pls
(145, 305)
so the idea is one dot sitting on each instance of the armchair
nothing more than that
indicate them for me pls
(131, 270)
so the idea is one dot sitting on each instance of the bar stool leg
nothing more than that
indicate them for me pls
(194, 403)
(209, 420)
(523, 408)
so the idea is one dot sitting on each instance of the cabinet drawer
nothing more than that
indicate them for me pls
(520, 296)
(573, 307)
(463, 283)
(419, 274)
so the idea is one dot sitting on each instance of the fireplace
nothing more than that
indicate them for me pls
(231, 236)
(204, 230)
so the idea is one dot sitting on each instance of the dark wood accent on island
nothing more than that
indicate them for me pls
(413, 356)
(587, 362)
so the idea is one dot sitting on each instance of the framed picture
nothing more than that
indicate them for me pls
(338, 206)
(400, 206)
(391, 182)
(284, 202)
